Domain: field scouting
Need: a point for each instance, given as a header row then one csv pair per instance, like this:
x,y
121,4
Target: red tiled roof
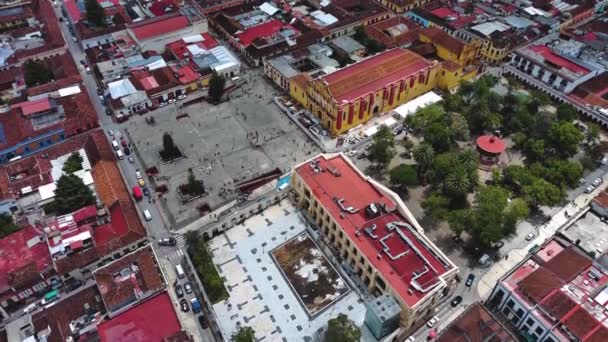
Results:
x,y
109,183
20,263
358,193
581,322
118,290
179,48
76,260
476,324
351,82
163,7
59,316
442,38
151,320
568,264
444,12
540,283
125,228
160,25
85,213
186,74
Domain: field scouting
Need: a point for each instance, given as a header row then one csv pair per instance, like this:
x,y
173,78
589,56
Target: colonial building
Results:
x,y
374,236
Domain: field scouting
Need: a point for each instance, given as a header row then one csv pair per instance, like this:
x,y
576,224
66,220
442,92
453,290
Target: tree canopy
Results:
x,y
73,163
71,194
382,148
403,176
7,225
342,329
217,85
244,334
170,151
36,73
95,14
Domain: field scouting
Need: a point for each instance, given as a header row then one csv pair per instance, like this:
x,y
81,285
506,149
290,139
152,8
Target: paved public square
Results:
x,y
219,145
260,296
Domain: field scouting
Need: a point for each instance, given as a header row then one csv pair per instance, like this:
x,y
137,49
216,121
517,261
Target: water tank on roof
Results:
x,y
372,210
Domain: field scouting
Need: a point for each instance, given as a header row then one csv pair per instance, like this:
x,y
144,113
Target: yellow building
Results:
x,y
400,6
492,52
374,234
450,48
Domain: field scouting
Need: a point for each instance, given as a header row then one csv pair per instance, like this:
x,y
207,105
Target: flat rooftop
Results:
x,y
260,295
151,320
355,80
592,233
389,241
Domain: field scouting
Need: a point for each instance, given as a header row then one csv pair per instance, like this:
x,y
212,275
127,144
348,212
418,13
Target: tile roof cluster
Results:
x,y
355,80
475,324
24,255
108,183
58,317
65,73
126,228
155,81
129,279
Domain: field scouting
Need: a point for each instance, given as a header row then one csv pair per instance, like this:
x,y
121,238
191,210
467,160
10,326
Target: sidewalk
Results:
x,y
578,207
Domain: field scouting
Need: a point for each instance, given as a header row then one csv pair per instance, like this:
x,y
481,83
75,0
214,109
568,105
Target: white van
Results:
x,y
119,154
115,145
147,215
30,308
180,271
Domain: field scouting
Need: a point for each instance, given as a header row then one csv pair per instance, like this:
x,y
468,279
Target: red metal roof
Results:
x,y
358,193
16,256
260,31
444,12
159,25
372,74
548,54
149,321
179,48
32,107
491,144
84,213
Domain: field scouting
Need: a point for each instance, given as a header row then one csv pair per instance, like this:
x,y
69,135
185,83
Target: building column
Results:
x,y
351,113
339,119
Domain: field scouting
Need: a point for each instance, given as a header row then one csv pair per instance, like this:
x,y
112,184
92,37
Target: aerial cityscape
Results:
x,y
304,170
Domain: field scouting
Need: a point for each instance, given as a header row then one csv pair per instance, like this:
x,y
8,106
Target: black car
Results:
x,y
179,292
184,305
167,242
470,280
361,156
203,322
99,91
127,151
146,191
456,301
108,112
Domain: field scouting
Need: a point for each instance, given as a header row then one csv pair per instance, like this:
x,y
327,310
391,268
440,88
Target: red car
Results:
x,y
123,142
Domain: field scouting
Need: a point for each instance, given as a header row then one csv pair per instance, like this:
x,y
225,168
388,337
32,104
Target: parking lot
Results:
x,y
223,145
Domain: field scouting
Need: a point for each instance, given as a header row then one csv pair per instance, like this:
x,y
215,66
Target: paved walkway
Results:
x,y
578,207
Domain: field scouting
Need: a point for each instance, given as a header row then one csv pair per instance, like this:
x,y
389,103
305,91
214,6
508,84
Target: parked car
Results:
x,y
127,151
138,174
470,280
83,63
110,132
596,182
108,112
196,305
188,287
178,291
168,242
432,321
498,244
99,91
456,301
131,160
410,339
203,322
361,156
589,189
146,191
184,305
530,236
141,182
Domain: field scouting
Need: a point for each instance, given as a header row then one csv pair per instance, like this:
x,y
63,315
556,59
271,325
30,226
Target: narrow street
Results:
x,y
156,228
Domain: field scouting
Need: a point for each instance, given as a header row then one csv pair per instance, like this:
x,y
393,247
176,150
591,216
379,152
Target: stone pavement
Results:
x,y
576,208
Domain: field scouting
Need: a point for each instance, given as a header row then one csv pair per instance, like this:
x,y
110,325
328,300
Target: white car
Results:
x,y
597,182
410,339
352,153
589,189
131,160
432,321
111,132
530,236
138,174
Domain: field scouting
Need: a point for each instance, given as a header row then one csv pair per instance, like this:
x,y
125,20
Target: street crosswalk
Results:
x,y
176,254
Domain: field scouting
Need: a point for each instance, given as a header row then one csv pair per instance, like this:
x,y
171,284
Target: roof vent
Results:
x,y
409,291
372,210
334,171
379,256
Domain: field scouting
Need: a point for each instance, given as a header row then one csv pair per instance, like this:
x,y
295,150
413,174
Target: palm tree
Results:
x,y
469,160
424,155
494,101
457,183
479,113
467,91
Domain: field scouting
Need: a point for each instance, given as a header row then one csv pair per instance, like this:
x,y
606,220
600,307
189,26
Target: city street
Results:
x,y
156,227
